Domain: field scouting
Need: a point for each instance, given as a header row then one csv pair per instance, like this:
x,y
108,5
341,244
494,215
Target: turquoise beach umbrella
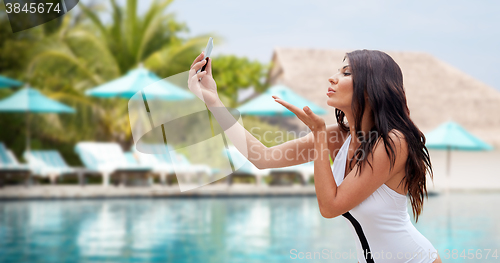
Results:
x,y
451,136
264,104
7,82
30,100
134,81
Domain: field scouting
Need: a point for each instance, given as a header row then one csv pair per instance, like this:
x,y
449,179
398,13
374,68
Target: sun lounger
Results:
x,y
158,163
183,165
132,160
161,162
243,167
109,160
9,166
305,170
50,163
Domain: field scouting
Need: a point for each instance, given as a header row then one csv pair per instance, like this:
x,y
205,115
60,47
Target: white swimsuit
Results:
x,y
381,224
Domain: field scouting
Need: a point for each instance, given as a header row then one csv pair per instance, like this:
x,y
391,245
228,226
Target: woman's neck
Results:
x,y
367,123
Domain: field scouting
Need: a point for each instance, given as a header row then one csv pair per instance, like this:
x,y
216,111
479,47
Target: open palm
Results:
x,y
306,115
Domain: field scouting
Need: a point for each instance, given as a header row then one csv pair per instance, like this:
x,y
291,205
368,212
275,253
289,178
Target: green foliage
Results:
x,y
267,134
82,55
232,73
67,56
14,47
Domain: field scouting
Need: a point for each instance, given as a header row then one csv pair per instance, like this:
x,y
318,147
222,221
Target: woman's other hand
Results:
x,y
313,121
206,88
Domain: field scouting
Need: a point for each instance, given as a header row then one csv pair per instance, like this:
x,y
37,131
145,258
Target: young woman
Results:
x,y
380,158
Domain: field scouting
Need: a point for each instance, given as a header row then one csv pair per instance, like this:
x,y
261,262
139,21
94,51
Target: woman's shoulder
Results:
x,y
398,137
393,135
397,140
397,133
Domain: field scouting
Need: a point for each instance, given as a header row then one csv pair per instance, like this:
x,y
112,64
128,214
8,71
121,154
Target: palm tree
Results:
x,y
85,52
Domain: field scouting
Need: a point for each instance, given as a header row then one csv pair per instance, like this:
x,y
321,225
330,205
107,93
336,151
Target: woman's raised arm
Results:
x,y
290,153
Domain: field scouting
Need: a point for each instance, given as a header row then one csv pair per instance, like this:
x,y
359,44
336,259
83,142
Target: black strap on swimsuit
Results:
x,y
361,236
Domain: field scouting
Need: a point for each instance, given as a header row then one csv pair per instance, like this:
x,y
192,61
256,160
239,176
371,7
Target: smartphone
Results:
x,y
208,51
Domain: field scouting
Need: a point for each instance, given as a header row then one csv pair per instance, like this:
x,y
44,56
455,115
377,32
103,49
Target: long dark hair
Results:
x,y
378,77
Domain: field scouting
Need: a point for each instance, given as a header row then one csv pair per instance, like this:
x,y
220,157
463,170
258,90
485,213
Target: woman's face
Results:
x,y
341,88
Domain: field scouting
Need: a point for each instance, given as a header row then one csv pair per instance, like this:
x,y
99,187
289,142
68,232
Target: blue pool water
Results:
x,y
222,229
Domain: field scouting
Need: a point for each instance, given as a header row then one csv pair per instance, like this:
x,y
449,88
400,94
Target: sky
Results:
x,y
464,34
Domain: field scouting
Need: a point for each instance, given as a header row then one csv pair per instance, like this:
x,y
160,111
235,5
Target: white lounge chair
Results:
x,y
158,164
161,162
243,167
305,170
109,160
9,166
133,160
50,163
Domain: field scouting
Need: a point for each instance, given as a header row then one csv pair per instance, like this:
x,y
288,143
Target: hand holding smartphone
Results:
x,y
206,54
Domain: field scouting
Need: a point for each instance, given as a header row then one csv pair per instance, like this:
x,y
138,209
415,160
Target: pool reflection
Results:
x,y
217,229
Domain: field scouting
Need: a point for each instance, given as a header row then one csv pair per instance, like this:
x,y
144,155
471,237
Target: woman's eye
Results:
x,y
347,73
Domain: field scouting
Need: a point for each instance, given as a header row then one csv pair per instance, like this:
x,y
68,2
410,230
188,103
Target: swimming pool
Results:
x,y
274,229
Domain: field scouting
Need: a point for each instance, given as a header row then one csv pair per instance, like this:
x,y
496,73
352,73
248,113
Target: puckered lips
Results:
x,y
330,91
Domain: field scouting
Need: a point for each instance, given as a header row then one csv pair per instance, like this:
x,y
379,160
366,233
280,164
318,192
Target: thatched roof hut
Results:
x,y
436,91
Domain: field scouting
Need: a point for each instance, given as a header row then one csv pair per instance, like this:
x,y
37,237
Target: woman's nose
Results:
x,y
333,80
